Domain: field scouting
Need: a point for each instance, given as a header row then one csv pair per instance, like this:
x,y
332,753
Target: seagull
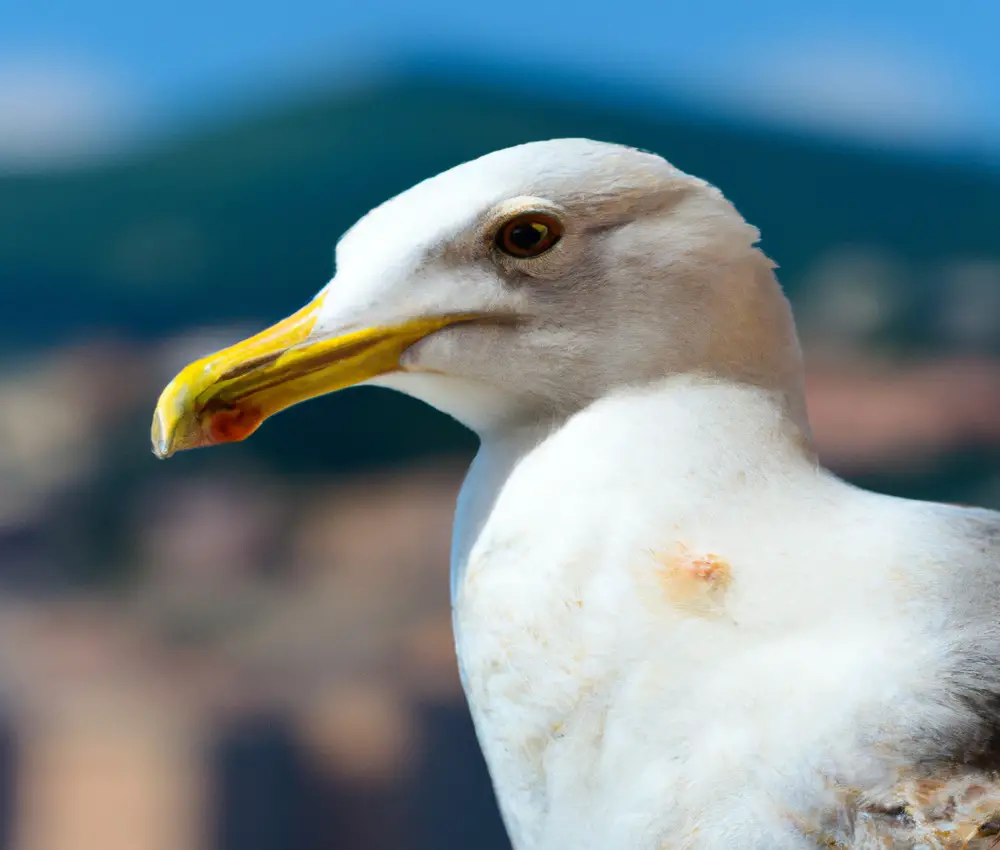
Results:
x,y
675,629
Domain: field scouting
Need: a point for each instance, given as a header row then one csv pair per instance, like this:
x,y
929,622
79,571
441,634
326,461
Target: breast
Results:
x,y
647,651
646,675
556,643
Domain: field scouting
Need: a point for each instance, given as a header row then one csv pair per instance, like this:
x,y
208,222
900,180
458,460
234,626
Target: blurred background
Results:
x,y
249,648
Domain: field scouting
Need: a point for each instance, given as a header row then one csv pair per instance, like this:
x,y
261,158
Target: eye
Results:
x,y
528,235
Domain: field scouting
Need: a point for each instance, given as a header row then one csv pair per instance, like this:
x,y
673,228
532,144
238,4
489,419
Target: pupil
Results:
x,y
526,236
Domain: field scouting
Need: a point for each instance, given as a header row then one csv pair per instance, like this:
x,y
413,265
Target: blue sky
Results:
x,y
77,74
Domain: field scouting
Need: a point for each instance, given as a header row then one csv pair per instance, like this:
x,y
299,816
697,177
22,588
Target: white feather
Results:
x,y
675,630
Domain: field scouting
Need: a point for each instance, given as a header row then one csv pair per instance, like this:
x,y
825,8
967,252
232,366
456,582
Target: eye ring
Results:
x,y
528,235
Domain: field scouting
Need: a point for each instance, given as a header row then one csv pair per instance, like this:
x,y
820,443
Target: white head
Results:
x,y
521,285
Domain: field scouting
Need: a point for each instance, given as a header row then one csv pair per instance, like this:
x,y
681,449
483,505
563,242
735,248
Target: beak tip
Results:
x,y
161,452
161,437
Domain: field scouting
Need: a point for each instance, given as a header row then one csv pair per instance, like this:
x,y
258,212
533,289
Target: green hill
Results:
x,y
239,220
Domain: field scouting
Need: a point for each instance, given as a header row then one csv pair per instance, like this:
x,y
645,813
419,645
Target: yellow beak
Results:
x,y
226,396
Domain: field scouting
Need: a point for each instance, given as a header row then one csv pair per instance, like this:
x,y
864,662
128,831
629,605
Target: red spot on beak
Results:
x,y
232,424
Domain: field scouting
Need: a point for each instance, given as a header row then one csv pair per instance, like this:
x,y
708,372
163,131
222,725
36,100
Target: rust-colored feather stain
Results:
x,y
693,580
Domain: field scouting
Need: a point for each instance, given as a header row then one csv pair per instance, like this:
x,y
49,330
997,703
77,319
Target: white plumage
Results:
x,y
674,628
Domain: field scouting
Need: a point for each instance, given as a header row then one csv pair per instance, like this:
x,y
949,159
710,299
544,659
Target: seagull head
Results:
x,y
521,285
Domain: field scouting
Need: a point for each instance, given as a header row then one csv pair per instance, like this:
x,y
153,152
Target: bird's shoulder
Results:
x,y
945,789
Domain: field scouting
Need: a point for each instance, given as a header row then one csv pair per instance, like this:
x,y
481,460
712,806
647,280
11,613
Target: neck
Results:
x,y
663,429
499,454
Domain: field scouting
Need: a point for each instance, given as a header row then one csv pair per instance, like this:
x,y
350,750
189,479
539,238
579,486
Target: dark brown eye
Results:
x,y
528,235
